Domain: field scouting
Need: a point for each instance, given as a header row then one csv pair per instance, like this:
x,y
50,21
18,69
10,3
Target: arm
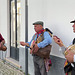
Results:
x,y
47,40
26,43
58,41
70,55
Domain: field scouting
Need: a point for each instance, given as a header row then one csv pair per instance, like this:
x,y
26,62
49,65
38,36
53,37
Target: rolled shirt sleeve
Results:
x,y
30,41
47,40
62,49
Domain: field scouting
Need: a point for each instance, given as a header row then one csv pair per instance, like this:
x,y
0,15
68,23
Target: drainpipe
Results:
x,y
26,37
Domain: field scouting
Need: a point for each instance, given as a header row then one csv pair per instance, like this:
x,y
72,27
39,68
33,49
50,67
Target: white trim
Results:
x,y
13,62
8,30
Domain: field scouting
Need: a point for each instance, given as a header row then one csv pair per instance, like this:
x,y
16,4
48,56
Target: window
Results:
x,y
15,15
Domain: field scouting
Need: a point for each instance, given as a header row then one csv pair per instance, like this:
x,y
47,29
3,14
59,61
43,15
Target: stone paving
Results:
x,y
7,69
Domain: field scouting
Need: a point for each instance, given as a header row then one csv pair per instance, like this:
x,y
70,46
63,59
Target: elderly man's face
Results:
x,y
37,28
73,27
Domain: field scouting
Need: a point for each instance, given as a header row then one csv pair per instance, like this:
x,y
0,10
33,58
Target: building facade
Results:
x,y
56,15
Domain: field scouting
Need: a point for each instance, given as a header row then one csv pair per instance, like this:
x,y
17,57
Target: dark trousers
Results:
x,y
73,71
39,66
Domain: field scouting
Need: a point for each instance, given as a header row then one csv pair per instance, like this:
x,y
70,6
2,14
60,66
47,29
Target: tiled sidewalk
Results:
x,y
6,69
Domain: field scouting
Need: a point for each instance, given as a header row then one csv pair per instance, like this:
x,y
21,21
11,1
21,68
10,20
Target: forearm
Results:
x,y
62,49
43,44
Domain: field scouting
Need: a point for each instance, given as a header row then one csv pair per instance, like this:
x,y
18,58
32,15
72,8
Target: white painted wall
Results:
x,y
22,26
56,15
3,18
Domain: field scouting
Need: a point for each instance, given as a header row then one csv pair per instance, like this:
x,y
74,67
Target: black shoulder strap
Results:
x,y
49,31
74,41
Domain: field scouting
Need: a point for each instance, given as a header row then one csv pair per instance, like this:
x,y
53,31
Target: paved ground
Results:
x,y
7,69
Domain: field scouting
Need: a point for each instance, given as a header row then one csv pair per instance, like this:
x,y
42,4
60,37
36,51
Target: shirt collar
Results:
x,y
39,32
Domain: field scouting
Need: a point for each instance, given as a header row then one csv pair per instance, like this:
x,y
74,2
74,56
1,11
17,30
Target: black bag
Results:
x,y
44,52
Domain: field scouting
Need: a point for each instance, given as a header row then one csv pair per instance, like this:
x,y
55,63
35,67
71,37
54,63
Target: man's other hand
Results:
x,y
70,56
36,48
58,41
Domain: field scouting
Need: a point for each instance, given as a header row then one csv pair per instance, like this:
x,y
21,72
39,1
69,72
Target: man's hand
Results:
x,y
36,48
24,44
58,41
70,56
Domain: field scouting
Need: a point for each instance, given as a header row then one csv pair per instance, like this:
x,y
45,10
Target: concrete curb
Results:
x,y
7,69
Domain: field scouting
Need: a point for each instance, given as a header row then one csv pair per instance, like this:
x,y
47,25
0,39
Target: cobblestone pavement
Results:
x,y
6,69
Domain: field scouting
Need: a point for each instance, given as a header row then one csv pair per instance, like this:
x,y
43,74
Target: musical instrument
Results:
x,y
60,43
71,48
